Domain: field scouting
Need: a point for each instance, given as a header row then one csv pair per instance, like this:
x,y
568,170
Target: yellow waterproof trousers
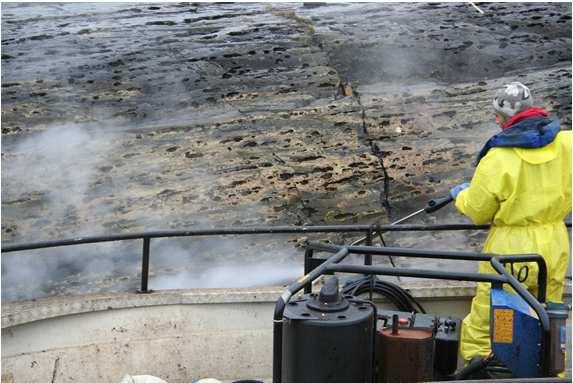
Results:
x,y
525,194
546,240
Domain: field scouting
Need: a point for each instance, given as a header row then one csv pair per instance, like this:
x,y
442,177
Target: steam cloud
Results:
x,y
61,167
218,262
58,167
53,172
232,275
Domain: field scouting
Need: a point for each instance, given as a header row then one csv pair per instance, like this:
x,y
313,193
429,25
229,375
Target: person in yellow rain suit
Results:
x,y
522,187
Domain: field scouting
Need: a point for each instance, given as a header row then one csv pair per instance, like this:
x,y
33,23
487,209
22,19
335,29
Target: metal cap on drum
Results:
x,y
408,334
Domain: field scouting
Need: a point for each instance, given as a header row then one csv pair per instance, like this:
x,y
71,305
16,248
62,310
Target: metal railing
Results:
x,y
145,237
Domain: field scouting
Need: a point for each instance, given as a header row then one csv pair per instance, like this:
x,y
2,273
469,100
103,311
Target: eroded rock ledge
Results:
x,y
122,118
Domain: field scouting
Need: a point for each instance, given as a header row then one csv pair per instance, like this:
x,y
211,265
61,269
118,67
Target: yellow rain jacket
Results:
x,y
525,194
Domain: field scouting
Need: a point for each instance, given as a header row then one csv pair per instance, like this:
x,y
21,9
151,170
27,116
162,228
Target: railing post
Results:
x,y
145,266
308,253
368,262
368,242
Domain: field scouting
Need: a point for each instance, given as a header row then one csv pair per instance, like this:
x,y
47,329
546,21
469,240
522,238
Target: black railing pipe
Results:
x,y
242,231
453,255
247,230
308,253
416,273
368,261
145,266
399,251
368,229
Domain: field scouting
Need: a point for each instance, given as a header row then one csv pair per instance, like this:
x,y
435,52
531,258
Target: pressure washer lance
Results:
x,y
432,206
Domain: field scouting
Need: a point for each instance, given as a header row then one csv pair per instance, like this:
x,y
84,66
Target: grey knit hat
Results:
x,y
514,98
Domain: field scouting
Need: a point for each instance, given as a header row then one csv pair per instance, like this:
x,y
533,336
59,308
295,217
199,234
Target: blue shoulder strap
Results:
x,y
530,133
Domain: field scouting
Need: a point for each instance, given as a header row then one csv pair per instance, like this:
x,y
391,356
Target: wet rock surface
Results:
x,y
124,118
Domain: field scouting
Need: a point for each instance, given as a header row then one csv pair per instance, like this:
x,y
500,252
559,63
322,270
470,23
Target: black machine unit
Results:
x,y
447,343
328,338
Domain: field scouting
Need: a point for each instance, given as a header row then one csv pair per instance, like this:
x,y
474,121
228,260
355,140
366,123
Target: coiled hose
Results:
x,y
394,293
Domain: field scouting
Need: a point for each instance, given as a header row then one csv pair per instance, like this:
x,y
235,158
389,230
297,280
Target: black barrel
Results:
x,y
328,339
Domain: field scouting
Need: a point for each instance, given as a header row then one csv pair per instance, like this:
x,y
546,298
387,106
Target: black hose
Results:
x,y
403,300
475,365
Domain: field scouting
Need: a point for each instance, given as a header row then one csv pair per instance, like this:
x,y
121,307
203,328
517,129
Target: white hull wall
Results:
x,y
177,336
176,343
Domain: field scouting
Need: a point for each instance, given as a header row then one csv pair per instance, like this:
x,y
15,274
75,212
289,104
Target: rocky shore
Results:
x,y
123,118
